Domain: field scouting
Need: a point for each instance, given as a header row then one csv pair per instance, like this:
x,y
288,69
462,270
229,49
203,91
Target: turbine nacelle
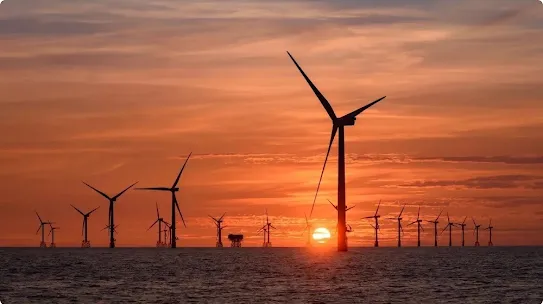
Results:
x,y
345,121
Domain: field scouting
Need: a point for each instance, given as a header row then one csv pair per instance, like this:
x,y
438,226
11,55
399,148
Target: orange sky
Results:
x,y
117,92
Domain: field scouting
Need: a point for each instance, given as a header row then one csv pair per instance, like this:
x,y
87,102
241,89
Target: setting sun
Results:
x,y
321,235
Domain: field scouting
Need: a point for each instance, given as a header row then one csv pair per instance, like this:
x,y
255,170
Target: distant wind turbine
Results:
x,y
52,233
419,226
400,228
435,222
489,228
337,124
43,244
476,232
218,223
85,243
111,219
463,224
159,220
173,189
449,225
376,216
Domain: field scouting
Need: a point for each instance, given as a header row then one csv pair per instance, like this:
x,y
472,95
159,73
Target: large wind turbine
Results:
x,y
400,228
111,219
338,123
85,243
489,228
175,205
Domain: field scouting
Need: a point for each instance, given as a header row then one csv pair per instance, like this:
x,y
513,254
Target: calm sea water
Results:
x,y
272,275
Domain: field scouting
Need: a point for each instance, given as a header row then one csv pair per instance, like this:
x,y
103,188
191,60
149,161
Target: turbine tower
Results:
x,y
218,223
348,228
489,228
449,225
111,219
43,244
266,229
435,222
476,232
338,123
400,228
419,227
52,234
307,228
175,205
463,224
376,227
85,243
159,220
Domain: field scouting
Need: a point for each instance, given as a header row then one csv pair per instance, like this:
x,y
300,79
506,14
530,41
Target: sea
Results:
x,y
272,275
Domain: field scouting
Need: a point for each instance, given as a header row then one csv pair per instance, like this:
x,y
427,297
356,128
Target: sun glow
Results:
x,y
321,235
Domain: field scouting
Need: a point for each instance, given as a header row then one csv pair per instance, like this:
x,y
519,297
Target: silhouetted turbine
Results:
x,y
476,231
489,228
419,226
435,222
337,124
52,233
175,205
376,227
463,224
85,242
400,228
307,228
111,219
42,227
266,229
218,223
159,220
449,225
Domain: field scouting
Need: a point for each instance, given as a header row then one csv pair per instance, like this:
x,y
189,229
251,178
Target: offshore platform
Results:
x,y
235,240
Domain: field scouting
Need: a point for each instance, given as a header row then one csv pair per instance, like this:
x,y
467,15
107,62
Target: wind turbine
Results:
x,y
376,227
435,222
489,228
463,224
307,228
43,244
266,229
400,228
449,225
419,226
111,219
175,205
218,223
159,220
338,123
476,232
85,243
52,233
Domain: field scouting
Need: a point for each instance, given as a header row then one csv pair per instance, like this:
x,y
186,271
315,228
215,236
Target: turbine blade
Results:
x,y
464,220
421,228
213,218
411,224
357,112
335,207
401,211
321,97
273,227
157,213
152,225
179,209
306,221
439,214
220,219
379,205
38,216
349,208
39,227
77,209
473,221
418,213
181,172
445,228
100,192
93,210
332,136
121,193
154,188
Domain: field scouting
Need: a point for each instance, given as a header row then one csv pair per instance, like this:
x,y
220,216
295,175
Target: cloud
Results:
x,y
483,182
